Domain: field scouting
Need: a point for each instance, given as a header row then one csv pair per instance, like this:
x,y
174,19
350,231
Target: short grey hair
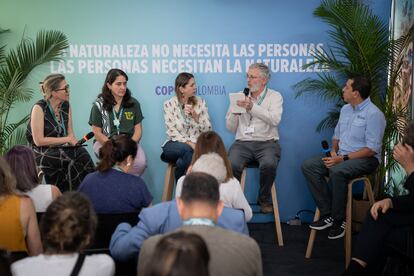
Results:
x,y
263,68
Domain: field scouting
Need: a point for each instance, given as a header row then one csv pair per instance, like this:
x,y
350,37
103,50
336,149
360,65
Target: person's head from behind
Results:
x,y
185,87
56,86
212,164
7,178
115,85
180,254
200,197
210,141
120,150
68,225
22,163
409,135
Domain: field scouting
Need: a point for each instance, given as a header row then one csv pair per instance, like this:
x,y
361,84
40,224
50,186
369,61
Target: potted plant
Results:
x,y
15,67
360,43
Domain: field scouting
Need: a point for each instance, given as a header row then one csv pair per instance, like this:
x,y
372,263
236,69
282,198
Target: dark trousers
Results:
x,y
64,167
178,153
266,153
331,197
389,230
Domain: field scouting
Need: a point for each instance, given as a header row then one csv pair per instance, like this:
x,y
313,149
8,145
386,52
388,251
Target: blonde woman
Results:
x,y
51,136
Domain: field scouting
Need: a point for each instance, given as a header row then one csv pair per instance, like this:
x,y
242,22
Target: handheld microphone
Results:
x,y
246,91
326,149
85,138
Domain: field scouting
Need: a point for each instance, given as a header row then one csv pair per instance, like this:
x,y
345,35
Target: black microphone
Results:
x,y
246,91
85,138
326,149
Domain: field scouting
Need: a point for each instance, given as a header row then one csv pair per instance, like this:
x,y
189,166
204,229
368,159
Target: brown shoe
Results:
x,y
266,207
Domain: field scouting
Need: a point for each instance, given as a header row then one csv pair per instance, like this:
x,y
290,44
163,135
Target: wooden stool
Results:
x,y
348,232
168,182
279,236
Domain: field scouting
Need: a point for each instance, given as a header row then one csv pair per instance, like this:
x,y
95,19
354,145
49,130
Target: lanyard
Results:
x,y
117,120
60,124
199,221
259,102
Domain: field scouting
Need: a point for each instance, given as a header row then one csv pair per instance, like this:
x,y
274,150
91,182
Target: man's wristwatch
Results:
x,y
345,157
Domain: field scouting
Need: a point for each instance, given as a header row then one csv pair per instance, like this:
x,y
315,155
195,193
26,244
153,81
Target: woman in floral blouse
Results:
x,y
186,117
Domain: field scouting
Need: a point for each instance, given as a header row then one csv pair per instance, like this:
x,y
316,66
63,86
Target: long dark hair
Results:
x,y
106,95
116,150
181,254
22,162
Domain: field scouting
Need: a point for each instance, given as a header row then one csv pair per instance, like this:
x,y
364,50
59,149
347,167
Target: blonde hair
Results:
x,y
7,179
49,84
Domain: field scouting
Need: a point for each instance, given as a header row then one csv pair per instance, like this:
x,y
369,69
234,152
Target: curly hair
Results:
x,y
181,254
68,225
106,95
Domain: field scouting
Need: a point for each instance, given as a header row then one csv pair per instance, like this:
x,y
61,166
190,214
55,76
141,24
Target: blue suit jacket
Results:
x,y
126,241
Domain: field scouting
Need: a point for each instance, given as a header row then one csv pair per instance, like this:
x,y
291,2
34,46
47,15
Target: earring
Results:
x,y
128,164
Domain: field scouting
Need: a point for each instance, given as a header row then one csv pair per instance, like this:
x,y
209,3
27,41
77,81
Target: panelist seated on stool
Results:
x,y
256,131
356,151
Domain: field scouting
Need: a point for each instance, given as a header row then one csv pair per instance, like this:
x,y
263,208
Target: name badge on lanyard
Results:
x,y
117,120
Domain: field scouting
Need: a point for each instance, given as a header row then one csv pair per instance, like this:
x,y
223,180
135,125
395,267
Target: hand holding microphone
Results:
x,y
85,138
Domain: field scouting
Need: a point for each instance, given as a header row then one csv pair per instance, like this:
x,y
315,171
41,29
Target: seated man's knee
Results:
x,y
268,165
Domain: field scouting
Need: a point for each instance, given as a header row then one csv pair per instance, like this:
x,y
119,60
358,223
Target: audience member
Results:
x,y
199,207
50,133
185,116
22,163
210,156
116,112
162,218
67,228
257,136
356,151
179,253
387,220
111,189
19,230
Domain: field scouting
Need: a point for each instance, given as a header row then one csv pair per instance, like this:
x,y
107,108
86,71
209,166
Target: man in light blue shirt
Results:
x,y
356,151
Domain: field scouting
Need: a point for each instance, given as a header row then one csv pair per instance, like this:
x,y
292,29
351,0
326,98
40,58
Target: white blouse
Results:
x,y
184,128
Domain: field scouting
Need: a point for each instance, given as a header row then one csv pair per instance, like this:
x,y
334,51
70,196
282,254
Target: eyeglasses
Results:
x,y
251,77
66,88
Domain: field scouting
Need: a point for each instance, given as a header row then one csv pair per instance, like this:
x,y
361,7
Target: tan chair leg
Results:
x,y
348,228
168,183
348,225
312,236
279,236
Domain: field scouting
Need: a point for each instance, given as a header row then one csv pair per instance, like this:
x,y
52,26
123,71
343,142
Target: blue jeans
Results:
x,y
178,153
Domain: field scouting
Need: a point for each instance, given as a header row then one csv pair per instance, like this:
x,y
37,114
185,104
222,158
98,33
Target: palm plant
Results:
x,y
15,67
360,43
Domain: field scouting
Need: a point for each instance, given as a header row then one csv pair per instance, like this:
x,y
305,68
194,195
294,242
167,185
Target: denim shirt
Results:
x,y
360,126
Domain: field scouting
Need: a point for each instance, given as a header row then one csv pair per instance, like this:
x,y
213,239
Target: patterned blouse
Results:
x,y
184,128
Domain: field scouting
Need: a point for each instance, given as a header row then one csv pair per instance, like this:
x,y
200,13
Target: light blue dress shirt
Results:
x,y
360,126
